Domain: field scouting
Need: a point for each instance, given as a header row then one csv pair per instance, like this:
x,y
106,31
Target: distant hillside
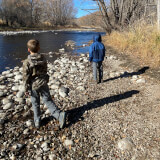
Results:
x,y
92,20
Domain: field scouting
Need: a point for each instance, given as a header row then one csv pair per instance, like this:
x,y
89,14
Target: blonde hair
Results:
x,y
33,45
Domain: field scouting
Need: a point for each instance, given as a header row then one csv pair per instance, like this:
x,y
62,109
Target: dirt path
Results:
x,y
123,119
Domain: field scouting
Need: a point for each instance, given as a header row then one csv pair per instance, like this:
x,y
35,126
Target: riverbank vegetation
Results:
x,y
141,42
36,13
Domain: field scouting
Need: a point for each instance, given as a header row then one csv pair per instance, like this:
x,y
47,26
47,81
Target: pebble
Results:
x,y
68,142
29,123
141,80
7,106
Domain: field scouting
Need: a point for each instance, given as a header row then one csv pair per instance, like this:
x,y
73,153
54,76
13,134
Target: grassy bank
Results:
x,y
142,42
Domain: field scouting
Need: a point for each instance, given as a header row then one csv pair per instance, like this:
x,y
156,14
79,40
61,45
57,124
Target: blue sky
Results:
x,y
81,5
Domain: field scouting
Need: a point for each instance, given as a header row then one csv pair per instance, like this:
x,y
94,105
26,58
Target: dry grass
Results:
x,y
142,42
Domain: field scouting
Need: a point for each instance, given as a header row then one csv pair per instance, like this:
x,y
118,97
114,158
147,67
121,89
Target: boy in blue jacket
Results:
x,y
96,56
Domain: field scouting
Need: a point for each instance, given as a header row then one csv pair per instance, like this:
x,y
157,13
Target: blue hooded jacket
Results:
x,y
96,50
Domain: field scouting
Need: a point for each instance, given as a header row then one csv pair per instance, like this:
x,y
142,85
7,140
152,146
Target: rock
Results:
x,y
15,88
47,112
62,50
18,77
2,87
54,86
70,43
20,100
20,94
125,144
2,115
10,75
81,88
7,106
135,77
56,74
74,69
2,121
29,123
52,156
63,92
26,131
44,146
141,80
68,142
2,94
17,147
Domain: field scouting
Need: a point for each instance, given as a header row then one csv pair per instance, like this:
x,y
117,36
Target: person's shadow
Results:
x,y
126,74
76,114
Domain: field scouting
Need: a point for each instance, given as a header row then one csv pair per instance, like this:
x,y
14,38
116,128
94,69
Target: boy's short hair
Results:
x,y
33,45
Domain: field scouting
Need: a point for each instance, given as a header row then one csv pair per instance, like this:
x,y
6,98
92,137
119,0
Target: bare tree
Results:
x,y
120,13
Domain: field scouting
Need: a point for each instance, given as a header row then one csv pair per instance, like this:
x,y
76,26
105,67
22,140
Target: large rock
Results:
x,y
125,144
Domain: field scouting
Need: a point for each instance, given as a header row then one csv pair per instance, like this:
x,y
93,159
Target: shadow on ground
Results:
x,y
126,74
75,115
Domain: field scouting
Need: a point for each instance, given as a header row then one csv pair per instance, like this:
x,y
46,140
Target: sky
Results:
x,y
82,5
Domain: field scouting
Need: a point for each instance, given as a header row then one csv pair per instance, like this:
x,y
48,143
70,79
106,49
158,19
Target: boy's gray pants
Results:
x,y
97,69
47,100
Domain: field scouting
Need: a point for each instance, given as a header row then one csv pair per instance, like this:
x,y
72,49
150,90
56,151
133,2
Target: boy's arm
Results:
x,y
26,75
90,53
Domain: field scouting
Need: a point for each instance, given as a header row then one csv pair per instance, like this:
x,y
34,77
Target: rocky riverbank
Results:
x,y
117,119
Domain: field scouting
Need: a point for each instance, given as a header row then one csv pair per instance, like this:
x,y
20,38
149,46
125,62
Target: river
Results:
x,y
13,47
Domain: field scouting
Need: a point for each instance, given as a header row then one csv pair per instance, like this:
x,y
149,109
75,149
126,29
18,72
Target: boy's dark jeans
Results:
x,y
47,100
97,69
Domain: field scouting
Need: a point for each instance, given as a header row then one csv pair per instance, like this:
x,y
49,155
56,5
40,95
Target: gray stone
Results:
x,y
74,69
20,94
7,106
63,92
15,88
45,147
18,77
142,80
17,147
26,131
29,123
52,156
68,142
2,87
55,86
125,144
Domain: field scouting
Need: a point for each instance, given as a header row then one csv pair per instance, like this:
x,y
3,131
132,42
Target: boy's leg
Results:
x,y
47,99
94,65
100,70
55,112
35,99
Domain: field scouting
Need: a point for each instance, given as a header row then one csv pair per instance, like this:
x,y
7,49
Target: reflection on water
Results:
x,y
13,48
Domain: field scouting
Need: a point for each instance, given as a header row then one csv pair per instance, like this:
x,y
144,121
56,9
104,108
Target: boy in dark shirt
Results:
x,y
35,79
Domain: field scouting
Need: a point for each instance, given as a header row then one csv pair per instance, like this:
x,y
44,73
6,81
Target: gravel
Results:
x,y
117,119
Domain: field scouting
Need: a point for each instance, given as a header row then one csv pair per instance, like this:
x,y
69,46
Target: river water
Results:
x,y
13,47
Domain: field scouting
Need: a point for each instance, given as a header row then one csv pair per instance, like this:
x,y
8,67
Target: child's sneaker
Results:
x,y
37,124
62,119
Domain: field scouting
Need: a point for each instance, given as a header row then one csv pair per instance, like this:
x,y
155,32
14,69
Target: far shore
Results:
x,y
78,28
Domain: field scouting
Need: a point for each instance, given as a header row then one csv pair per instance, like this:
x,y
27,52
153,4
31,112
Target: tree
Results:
x,y
119,13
